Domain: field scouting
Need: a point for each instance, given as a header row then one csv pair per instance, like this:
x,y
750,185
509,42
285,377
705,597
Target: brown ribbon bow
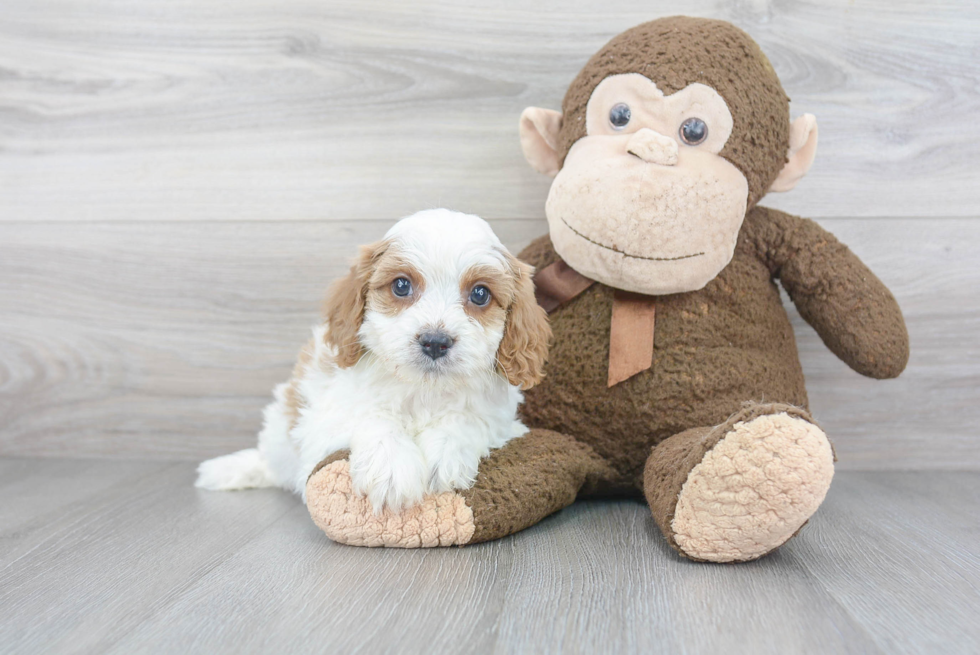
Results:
x,y
632,323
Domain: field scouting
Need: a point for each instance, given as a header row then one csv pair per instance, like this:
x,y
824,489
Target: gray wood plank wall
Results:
x,y
179,181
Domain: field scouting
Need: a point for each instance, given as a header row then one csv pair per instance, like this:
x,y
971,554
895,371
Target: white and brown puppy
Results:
x,y
417,368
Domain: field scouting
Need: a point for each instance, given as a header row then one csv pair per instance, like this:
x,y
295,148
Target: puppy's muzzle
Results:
x,y
435,344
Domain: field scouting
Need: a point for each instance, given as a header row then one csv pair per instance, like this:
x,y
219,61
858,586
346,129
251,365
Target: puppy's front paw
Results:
x,y
452,461
452,471
391,474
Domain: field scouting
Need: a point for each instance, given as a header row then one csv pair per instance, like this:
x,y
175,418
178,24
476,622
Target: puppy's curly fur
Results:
x,y
417,368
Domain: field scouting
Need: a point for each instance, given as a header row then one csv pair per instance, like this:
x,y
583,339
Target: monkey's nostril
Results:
x,y
653,147
435,344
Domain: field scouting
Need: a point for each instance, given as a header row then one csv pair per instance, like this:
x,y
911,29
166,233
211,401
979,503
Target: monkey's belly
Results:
x,y
710,356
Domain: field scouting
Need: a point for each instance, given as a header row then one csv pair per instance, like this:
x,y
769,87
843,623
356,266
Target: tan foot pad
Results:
x,y
439,520
754,489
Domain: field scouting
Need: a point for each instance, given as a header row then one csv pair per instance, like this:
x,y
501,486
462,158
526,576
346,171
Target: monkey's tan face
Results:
x,y
644,202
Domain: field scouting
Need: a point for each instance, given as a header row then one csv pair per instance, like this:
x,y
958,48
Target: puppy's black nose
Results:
x,y
435,344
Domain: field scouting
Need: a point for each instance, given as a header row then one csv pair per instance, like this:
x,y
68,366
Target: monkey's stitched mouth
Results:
x,y
626,254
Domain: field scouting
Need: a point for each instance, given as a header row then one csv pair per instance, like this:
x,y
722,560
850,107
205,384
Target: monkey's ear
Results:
x,y
539,139
802,150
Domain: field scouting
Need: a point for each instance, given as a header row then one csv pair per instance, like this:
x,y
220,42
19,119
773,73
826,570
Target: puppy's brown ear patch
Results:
x,y
344,306
524,346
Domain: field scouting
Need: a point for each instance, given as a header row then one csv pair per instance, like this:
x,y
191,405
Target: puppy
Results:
x,y
417,368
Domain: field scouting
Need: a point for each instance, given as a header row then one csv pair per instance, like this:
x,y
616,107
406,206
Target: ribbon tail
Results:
x,y
630,336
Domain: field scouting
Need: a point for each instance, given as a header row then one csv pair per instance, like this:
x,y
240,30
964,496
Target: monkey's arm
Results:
x,y
850,308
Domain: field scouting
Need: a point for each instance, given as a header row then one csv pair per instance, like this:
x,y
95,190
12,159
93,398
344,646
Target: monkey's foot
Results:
x,y
348,518
752,490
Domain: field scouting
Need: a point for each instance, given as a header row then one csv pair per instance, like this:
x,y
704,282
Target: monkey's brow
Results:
x,y
626,254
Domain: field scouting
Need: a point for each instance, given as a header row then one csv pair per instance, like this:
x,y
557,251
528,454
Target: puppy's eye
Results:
x,y
693,131
619,115
401,287
480,295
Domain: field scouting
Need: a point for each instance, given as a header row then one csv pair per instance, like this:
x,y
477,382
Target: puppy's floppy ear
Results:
x,y
524,346
344,306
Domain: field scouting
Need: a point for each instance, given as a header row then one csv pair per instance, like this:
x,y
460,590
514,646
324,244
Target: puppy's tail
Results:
x,y
245,469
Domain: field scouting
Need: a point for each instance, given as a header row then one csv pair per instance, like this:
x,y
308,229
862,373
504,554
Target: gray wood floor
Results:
x,y
125,557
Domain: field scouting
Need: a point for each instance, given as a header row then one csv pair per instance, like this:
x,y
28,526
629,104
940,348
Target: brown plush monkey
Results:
x,y
674,371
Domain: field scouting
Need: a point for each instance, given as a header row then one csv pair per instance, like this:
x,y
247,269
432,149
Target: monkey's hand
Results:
x,y
850,308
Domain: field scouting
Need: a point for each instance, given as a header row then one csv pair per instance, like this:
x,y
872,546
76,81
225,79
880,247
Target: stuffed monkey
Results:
x,y
674,371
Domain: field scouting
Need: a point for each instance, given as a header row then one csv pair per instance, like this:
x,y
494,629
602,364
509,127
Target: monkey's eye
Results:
x,y
619,116
401,287
480,295
693,131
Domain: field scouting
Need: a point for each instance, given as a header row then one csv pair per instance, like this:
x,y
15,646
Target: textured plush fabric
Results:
x,y
678,51
528,479
439,520
853,312
716,348
753,490
671,462
518,485
330,459
713,350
